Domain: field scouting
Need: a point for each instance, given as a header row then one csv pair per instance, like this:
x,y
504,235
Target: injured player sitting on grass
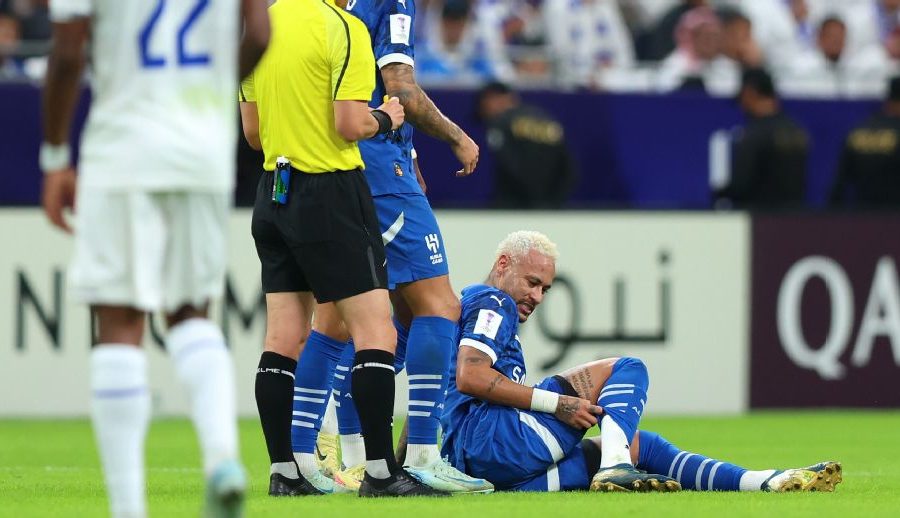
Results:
x,y
532,438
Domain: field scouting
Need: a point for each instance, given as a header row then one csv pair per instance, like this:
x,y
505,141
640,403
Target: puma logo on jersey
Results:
x,y
498,299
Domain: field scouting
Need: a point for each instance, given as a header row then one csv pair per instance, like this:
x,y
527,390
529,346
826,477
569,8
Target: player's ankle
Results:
x,y
306,464
421,455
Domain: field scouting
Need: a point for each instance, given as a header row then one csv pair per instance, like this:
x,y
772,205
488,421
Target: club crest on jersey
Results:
x,y
433,242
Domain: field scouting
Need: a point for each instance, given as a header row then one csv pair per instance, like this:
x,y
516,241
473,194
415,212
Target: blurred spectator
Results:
x,y
463,43
10,68
533,169
832,69
524,39
34,17
870,23
698,61
785,29
738,43
769,156
869,170
641,14
660,40
586,37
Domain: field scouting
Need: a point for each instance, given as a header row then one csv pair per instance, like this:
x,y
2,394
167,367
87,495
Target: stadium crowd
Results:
x,y
815,48
819,49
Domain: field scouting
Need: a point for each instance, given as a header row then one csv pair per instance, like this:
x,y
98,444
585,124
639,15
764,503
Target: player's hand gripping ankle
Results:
x,y
577,412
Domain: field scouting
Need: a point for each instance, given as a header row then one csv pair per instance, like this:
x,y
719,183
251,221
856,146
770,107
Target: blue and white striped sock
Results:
x,y
622,398
427,360
691,470
312,388
353,451
348,421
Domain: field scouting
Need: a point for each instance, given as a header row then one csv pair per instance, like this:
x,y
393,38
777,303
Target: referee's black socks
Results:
x,y
373,393
274,400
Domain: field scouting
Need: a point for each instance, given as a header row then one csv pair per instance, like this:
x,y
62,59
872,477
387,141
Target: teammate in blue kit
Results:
x,y
425,306
531,438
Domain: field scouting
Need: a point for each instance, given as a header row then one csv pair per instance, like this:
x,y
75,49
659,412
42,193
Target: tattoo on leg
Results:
x,y
582,383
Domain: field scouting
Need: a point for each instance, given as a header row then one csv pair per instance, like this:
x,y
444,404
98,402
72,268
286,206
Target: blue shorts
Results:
x,y
412,240
521,450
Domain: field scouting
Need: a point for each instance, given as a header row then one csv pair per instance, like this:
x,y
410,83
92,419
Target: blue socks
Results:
x,y
426,365
402,340
312,388
348,421
691,470
624,395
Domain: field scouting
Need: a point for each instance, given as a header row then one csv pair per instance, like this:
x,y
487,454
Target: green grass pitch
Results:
x,y
50,468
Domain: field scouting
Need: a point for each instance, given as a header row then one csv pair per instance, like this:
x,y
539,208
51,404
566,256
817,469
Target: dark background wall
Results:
x,y
634,151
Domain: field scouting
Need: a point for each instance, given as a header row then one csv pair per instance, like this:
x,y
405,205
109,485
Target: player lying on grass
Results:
x,y
531,438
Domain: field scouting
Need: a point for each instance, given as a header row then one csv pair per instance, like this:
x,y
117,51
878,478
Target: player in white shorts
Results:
x,y
156,172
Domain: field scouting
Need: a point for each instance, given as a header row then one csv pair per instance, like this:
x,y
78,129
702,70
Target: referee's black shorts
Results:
x,y
326,239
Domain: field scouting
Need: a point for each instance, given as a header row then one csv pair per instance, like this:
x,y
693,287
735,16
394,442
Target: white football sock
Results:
x,y
329,422
285,469
306,463
353,450
613,444
120,413
378,469
204,366
421,455
753,480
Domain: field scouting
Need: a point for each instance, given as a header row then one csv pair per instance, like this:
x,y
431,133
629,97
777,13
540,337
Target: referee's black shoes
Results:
x,y
400,483
280,485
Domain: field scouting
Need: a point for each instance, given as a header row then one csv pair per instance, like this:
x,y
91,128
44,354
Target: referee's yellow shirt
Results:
x,y
317,54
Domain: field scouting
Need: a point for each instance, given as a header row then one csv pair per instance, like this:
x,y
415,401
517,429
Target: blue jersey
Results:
x,y
387,157
489,322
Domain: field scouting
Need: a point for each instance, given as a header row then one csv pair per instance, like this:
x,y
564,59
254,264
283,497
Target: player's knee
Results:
x,y
452,309
432,298
186,312
634,368
286,338
632,364
445,305
382,337
334,330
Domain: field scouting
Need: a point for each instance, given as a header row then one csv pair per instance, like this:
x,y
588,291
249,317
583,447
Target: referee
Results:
x,y
315,227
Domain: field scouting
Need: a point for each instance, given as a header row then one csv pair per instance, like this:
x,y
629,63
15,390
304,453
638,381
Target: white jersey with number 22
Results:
x,y
163,78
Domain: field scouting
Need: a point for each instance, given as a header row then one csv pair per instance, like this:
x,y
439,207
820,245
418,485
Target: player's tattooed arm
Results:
x,y
400,81
476,378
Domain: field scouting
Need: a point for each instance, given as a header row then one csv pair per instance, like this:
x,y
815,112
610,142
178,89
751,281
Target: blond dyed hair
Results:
x,y
517,245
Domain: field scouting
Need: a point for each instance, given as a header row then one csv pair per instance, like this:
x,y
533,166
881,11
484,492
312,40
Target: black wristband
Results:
x,y
384,121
